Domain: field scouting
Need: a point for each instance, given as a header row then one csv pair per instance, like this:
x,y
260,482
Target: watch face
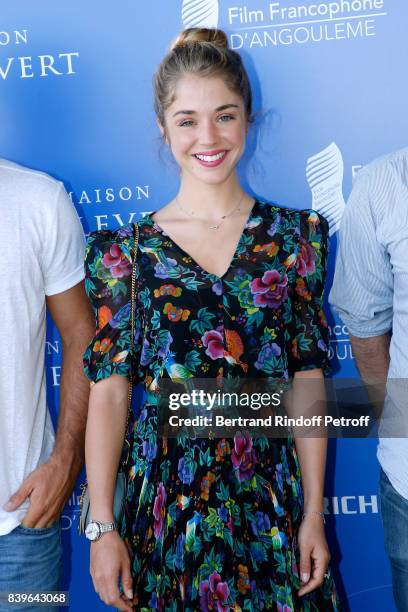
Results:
x,y
92,532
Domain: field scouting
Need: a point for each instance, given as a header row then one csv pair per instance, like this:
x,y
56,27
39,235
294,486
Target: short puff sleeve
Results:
x,y
108,283
309,331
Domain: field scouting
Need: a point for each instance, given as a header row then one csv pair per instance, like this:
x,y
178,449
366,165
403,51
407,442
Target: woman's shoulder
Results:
x,y
302,219
108,255
105,240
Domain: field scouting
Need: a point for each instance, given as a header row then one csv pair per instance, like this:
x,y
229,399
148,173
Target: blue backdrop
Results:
x,y
330,95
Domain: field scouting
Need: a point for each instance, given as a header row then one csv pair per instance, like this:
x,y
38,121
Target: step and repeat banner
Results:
x,y
330,95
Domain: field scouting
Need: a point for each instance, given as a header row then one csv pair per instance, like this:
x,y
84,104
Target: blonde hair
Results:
x,y
203,52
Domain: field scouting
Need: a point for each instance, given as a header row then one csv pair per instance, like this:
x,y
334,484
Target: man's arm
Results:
x,y
51,484
362,291
372,356
72,314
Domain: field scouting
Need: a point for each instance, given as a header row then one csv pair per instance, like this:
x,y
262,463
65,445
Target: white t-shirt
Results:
x,y
42,246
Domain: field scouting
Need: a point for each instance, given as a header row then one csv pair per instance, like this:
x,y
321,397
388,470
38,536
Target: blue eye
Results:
x,y
226,118
186,123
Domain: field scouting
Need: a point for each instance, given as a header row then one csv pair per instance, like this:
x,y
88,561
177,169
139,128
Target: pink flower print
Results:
x,y
159,510
243,456
270,290
213,594
306,257
213,340
117,262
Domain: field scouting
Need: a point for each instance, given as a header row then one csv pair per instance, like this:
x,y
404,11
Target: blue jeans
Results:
x,y
394,513
30,560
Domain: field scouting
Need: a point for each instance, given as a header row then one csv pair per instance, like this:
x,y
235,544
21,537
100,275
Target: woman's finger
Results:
x,y
319,567
305,564
126,579
111,596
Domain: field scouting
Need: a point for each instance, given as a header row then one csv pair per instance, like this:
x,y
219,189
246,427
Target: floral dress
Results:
x,y
211,523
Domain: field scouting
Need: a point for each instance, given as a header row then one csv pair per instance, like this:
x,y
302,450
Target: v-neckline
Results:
x,y
234,256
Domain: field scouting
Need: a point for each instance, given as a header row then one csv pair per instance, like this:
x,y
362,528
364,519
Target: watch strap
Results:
x,y
105,527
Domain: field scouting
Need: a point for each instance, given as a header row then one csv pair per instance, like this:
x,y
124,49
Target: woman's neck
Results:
x,y
210,200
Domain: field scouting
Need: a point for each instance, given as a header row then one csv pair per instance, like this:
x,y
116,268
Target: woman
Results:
x,y
226,287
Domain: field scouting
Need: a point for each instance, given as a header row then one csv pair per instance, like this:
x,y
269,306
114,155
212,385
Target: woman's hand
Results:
x,y
314,553
109,561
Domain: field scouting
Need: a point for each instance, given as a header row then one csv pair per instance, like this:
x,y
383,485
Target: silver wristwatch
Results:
x,y
96,529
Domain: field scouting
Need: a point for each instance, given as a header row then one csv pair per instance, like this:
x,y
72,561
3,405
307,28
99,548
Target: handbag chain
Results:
x,y
132,328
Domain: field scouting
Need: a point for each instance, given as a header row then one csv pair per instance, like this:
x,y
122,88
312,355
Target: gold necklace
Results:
x,y
217,225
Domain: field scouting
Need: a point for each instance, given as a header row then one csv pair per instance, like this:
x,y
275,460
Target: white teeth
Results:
x,y
211,158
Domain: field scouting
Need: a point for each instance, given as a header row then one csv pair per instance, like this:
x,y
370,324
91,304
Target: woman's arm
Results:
x,y
105,433
308,399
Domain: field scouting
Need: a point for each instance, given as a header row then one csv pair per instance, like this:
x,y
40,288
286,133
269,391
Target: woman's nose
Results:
x,y
208,133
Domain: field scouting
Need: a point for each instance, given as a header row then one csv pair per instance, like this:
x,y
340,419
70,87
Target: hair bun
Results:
x,y
192,36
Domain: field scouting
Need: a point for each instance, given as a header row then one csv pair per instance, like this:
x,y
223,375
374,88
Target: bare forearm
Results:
x,y
309,400
312,459
373,359
104,442
72,314
372,356
74,396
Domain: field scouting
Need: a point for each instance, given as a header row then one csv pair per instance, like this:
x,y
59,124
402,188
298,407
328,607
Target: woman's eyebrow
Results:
x,y
225,106
184,112
217,110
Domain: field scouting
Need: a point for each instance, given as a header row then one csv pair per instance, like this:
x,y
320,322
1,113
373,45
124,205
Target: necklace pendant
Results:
x,y
214,227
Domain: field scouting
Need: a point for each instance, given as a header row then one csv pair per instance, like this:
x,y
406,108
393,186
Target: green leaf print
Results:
x,y
212,518
192,360
171,511
196,546
118,288
255,319
228,537
151,581
170,558
212,562
205,458
89,286
144,297
303,343
191,283
203,321
281,563
234,511
165,468
223,493
156,319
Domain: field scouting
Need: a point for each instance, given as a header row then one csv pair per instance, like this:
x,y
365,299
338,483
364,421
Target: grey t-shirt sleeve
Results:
x,y
362,292
64,245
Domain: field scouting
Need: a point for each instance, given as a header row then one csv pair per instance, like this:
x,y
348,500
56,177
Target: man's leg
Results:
x,y
30,560
394,513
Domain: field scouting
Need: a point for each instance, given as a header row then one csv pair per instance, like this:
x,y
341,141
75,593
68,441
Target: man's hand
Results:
x,y
48,489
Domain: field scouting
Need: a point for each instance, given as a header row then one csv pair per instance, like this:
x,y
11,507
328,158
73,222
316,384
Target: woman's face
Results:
x,y
205,128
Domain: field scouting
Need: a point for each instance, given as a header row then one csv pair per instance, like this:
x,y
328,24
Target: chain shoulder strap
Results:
x,y
132,325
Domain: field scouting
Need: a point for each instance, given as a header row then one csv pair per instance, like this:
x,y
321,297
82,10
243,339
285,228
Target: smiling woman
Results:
x,y
226,286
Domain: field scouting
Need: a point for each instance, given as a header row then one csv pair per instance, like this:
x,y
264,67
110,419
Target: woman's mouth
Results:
x,y
211,159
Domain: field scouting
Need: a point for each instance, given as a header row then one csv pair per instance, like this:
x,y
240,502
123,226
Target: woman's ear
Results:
x,y
162,131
